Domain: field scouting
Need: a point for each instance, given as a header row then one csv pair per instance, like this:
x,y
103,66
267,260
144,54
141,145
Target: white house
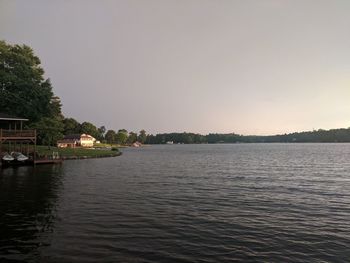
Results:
x,y
73,140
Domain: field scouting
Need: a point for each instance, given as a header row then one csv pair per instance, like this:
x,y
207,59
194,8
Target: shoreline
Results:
x,y
74,157
61,159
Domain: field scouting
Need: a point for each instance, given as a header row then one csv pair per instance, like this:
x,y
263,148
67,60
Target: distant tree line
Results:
x,y
334,135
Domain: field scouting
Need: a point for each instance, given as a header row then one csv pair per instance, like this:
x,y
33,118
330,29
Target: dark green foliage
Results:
x,y
121,136
142,136
335,135
101,133
23,90
132,137
111,136
176,138
89,128
222,138
71,126
49,130
25,93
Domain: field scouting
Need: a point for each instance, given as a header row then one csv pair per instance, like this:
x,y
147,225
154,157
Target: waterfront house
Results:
x,y
74,140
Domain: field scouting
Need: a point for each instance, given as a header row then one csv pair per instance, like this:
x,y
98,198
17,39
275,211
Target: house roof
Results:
x,y
84,136
72,136
78,136
6,117
67,141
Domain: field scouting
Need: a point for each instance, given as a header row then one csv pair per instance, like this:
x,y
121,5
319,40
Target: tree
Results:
x,y
101,133
49,130
142,136
111,136
89,128
132,137
24,91
55,108
121,136
71,126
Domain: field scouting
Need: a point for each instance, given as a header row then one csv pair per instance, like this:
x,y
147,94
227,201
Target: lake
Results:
x,y
182,203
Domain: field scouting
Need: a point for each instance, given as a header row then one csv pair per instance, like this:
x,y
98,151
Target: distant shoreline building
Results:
x,y
76,140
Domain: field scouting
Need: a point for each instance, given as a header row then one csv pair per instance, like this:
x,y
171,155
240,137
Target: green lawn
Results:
x,y
75,152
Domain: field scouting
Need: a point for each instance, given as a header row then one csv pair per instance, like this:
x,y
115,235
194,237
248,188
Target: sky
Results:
x,y
249,67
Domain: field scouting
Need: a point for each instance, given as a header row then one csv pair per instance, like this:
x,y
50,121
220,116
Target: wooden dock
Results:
x,y
48,161
31,163
18,135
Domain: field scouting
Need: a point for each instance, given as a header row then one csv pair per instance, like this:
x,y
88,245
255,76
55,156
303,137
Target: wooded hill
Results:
x,y
334,135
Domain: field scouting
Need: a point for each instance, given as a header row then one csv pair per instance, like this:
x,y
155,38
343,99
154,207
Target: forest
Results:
x,y
326,136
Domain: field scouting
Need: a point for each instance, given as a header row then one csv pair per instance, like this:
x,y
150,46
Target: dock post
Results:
x,y
34,154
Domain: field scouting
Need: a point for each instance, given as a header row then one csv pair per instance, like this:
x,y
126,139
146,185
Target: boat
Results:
x,y
7,159
14,159
136,144
169,142
19,157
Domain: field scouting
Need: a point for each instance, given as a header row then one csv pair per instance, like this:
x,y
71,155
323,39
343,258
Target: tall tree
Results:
x,y
71,126
111,136
24,91
49,130
89,128
101,133
122,136
142,136
132,137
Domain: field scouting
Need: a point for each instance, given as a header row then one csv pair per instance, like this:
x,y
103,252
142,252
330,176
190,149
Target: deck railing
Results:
x,y
17,134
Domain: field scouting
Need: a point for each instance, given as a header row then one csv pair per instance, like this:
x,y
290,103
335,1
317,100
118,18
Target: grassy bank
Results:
x,y
70,153
107,145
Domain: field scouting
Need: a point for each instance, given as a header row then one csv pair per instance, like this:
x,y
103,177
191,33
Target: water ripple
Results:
x,y
182,203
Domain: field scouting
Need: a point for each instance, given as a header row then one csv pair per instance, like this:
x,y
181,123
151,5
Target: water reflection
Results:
x,y
28,198
182,203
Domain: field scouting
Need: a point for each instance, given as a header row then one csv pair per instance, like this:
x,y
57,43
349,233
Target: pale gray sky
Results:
x,y
250,67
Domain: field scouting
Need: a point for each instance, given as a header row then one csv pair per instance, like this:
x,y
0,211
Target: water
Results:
x,y
182,203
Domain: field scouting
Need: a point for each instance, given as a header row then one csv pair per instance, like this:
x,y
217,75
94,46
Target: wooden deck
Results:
x,y
18,135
